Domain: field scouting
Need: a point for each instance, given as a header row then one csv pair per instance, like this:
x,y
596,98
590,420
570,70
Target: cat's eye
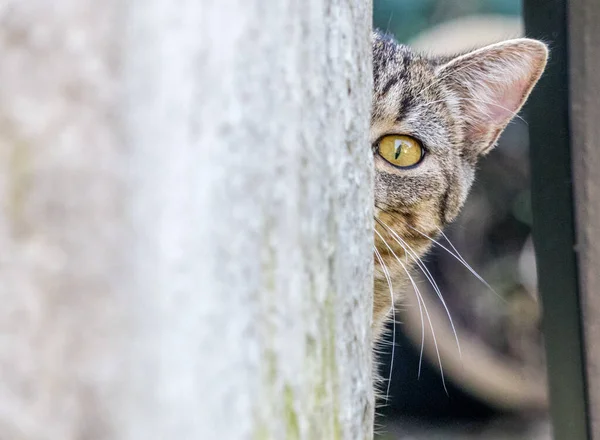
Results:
x,y
400,150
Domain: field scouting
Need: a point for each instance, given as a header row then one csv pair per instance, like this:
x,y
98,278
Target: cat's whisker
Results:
x,y
415,257
388,343
455,254
440,230
387,29
459,258
393,310
438,292
420,299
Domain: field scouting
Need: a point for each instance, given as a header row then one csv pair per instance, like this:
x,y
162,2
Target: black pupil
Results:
x,y
398,149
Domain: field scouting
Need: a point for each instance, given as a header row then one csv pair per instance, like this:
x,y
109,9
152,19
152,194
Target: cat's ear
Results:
x,y
491,85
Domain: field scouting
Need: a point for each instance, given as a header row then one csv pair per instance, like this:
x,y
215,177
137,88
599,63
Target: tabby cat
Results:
x,y
432,119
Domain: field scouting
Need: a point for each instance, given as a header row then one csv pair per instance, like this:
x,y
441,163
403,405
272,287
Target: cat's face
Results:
x,y
432,119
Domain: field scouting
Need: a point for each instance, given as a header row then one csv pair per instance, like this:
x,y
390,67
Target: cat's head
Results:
x,y
433,118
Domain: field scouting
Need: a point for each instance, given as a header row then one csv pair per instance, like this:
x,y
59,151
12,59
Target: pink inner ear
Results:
x,y
493,83
503,102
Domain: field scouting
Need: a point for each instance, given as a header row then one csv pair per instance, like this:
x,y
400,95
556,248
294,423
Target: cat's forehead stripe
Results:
x,y
407,95
406,103
391,82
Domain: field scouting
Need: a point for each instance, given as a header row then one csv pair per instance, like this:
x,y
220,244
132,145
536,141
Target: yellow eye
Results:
x,y
401,151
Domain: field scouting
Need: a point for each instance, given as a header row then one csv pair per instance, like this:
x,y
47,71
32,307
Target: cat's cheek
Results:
x,y
456,199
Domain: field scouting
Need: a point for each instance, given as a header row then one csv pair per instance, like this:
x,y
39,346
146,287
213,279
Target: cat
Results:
x,y
432,119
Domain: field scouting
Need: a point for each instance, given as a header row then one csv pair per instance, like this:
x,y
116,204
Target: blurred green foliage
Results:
x,y
406,18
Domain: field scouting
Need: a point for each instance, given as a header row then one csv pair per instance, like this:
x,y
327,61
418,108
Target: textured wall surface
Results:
x,y
185,220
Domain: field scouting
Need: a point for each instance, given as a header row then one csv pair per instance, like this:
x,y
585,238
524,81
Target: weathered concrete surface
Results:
x,y
185,220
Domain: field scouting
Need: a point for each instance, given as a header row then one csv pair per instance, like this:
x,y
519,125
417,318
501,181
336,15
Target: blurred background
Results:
x,y
497,388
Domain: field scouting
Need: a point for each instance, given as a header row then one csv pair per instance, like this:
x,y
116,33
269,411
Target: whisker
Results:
x,y
420,300
389,281
389,22
460,259
451,245
427,274
454,253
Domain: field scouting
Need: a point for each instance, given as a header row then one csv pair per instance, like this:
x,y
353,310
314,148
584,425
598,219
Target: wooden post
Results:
x,y
185,220
564,120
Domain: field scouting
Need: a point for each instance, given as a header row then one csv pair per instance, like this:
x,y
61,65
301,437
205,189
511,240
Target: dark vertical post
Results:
x,y
554,143
584,86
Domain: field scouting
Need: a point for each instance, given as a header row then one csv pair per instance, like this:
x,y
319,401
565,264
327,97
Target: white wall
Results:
x,y
186,219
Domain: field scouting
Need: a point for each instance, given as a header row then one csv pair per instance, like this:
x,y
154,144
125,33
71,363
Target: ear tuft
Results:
x,y
492,84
